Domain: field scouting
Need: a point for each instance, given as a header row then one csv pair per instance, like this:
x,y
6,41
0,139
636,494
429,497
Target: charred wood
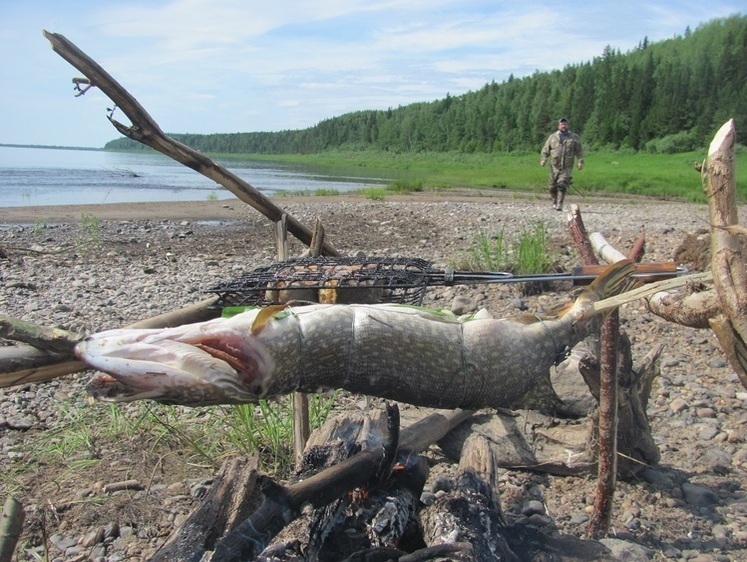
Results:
x,y
233,496
367,468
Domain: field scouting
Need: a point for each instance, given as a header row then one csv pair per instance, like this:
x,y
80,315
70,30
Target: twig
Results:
x,y
599,523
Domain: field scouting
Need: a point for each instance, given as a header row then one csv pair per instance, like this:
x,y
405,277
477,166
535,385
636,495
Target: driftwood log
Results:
x,y
723,308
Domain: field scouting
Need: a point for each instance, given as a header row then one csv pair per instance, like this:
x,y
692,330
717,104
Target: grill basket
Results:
x,y
343,280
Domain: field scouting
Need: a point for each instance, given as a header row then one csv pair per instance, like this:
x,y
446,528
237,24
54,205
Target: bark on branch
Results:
x,y
144,129
727,262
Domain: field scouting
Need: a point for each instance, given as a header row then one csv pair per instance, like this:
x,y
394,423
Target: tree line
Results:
x,y
667,96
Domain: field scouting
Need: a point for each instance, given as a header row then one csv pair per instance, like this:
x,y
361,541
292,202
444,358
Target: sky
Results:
x,y
226,66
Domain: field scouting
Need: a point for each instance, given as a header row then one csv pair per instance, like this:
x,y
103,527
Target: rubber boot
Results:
x,y
559,201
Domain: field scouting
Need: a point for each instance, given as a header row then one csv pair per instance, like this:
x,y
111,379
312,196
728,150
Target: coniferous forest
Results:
x,y
667,96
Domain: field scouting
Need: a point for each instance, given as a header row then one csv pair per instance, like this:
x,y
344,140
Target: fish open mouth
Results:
x,y
159,365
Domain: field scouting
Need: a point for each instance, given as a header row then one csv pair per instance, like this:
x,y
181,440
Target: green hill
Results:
x,y
668,96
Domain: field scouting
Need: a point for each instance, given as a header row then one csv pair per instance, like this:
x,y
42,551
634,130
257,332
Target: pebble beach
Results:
x,y
98,267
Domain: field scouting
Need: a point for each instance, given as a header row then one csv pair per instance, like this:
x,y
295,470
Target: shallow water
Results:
x,y
46,176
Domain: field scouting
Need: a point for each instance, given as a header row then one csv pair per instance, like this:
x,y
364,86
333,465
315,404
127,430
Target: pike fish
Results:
x,y
397,352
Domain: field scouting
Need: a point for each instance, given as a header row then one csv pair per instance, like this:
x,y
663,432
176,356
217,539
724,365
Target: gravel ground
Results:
x,y
122,263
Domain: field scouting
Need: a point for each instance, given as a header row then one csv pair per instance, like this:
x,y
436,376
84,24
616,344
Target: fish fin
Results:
x,y
560,310
264,316
529,318
616,279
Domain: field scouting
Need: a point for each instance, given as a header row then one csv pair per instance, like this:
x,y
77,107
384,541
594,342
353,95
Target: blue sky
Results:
x,y
204,66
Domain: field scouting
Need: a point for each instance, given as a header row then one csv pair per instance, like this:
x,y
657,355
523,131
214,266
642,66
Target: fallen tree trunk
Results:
x,y
145,130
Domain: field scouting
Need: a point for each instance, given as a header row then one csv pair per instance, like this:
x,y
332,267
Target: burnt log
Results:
x,y
231,499
369,465
467,516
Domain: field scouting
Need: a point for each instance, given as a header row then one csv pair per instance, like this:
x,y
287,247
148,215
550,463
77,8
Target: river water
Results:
x,y
46,176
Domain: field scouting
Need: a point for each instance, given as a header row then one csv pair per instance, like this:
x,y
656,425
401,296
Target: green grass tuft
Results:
x,y
526,254
374,193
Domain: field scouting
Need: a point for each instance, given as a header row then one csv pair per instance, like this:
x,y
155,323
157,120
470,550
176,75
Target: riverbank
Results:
x,y
233,209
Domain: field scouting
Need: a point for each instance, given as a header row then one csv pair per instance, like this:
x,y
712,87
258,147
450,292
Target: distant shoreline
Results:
x,y
50,146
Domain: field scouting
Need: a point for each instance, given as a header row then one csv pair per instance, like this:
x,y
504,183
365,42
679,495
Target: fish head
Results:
x,y
215,362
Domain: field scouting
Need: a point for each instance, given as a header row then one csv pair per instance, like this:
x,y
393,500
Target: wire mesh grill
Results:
x,y
343,280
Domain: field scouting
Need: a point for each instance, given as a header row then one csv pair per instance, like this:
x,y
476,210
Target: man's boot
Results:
x,y
554,197
559,201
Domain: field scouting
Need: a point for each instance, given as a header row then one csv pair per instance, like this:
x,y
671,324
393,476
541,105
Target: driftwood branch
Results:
x,y
144,129
53,340
608,401
604,250
599,523
639,248
580,237
694,308
727,262
724,308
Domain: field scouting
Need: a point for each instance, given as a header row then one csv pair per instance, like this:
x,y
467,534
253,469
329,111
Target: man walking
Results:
x,y
562,147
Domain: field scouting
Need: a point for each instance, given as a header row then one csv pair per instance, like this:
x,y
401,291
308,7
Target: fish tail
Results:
x,y
616,279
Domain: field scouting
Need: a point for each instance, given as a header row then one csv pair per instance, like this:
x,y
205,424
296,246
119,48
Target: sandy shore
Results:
x,y
171,210
229,209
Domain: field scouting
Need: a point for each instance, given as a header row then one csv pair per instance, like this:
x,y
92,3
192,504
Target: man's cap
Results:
x,y
563,120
